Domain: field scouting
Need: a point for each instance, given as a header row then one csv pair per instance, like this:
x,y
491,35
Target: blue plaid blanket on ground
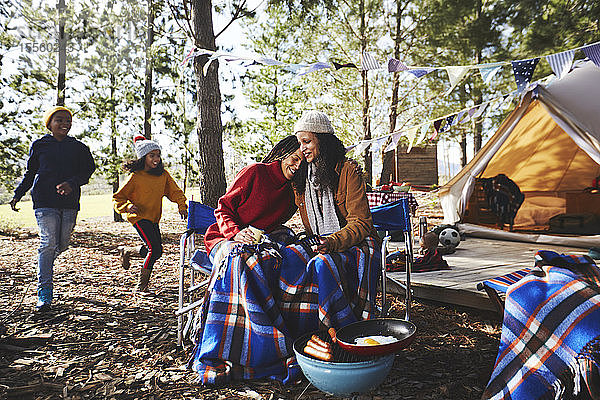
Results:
x,y
265,296
551,318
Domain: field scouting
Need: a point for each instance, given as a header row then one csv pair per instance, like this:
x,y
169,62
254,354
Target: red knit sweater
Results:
x,y
260,196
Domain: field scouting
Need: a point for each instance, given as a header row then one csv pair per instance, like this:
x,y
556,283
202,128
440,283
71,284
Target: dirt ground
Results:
x,y
103,341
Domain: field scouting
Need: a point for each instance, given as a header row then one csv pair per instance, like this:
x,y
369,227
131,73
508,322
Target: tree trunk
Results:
x,y
365,101
388,159
209,126
149,67
477,124
117,217
62,54
463,149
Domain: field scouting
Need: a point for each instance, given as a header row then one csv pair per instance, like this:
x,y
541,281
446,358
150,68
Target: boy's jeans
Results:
x,y
55,226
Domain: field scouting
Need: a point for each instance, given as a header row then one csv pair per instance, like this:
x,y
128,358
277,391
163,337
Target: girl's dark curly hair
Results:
x,y
331,153
140,164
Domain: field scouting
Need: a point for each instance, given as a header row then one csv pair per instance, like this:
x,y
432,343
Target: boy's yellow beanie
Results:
x,y
48,114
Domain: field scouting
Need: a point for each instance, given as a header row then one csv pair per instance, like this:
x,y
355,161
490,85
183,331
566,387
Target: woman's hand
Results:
x,y
245,236
184,214
323,247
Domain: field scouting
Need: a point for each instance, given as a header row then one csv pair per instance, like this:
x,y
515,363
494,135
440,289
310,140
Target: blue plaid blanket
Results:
x,y
551,318
264,297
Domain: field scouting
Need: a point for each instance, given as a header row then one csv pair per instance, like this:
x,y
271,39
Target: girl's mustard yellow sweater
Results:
x,y
146,191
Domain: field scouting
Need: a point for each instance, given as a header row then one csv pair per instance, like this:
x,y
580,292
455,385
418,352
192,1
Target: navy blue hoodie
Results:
x,y
52,162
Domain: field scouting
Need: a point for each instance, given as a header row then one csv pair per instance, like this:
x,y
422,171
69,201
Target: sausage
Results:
x,y
332,333
320,341
317,346
321,355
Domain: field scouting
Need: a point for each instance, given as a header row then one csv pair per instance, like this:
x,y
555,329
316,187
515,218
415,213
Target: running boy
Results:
x,y
57,167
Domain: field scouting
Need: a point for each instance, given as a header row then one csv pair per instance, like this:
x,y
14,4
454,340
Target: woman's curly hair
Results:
x,y
331,153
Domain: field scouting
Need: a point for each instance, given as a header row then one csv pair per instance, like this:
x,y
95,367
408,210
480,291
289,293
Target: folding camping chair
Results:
x,y
192,258
395,217
494,287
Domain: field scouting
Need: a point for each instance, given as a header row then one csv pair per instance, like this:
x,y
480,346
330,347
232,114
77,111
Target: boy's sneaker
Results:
x,y
43,307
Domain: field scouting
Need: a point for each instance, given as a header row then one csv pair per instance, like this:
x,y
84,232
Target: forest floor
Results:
x,y
103,341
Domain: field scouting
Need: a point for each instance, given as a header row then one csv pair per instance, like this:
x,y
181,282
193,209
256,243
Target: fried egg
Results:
x,y
374,340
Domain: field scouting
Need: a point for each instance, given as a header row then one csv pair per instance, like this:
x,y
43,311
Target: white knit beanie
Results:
x,y
144,146
313,121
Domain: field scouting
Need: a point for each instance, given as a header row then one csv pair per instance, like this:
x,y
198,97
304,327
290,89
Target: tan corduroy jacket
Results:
x,y
352,208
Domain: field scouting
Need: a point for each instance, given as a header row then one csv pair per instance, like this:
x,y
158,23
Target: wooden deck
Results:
x,y
474,261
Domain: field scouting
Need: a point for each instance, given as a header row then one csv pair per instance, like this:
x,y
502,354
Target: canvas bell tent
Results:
x,y
550,147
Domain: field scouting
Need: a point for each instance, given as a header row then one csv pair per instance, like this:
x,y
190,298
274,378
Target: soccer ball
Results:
x,y
449,237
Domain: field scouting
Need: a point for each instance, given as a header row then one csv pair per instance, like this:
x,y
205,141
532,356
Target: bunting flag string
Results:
x,y
560,63
440,124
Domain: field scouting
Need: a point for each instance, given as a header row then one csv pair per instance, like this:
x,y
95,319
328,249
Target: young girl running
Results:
x,y
140,201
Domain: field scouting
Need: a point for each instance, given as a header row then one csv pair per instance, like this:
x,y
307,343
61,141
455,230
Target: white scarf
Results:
x,y
320,206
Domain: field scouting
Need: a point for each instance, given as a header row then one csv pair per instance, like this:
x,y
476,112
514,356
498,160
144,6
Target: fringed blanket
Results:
x,y
264,297
551,319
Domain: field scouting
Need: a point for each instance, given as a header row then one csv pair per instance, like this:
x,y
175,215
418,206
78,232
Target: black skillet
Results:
x,y
401,330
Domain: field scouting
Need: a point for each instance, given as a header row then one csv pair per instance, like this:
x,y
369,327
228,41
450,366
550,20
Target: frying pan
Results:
x,y
402,330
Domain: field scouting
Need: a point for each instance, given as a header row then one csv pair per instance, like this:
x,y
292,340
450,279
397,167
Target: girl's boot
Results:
x,y
126,253
144,279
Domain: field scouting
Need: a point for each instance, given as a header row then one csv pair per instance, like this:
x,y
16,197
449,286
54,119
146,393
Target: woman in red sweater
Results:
x,y
260,196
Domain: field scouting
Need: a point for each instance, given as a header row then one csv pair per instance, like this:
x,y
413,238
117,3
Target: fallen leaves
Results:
x,y
104,341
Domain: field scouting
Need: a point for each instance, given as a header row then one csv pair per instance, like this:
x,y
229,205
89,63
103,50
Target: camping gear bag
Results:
x,y
582,224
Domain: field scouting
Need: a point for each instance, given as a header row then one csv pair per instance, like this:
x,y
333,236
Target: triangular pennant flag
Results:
x,y
268,61
396,65
362,146
438,125
449,122
488,71
346,65
561,62
394,143
420,72
294,68
455,74
459,117
506,101
378,143
410,135
480,110
315,67
523,70
368,62
593,53
424,129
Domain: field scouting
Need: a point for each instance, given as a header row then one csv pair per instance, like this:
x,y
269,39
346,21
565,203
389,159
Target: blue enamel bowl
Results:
x,y
343,378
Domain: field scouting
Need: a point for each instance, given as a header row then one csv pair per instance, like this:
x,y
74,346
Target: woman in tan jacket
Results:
x,y
330,192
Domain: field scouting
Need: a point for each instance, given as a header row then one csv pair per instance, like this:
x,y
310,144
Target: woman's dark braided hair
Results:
x,y
331,153
283,149
140,164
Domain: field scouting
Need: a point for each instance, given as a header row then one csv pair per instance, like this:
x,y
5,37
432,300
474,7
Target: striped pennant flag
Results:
x,y
592,52
368,62
395,65
561,62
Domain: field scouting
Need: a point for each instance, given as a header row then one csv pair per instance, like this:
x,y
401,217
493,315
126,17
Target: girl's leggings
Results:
x,y
150,234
